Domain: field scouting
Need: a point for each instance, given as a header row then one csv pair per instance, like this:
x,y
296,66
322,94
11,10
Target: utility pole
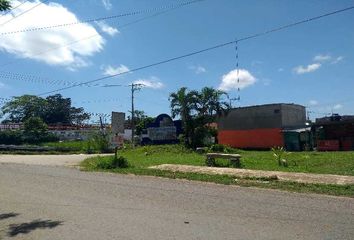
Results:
x,y
134,87
233,99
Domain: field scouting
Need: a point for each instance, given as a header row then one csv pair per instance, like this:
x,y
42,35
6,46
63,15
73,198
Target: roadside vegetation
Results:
x,y
140,158
340,163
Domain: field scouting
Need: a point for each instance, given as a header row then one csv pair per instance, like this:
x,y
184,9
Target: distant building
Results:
x,y
73,132
162,131
262,126
10,126
334,133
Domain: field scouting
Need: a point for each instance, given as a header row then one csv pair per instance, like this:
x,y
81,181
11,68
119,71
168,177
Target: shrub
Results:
x,y
112,163
98,143
11,137
222,149
278,153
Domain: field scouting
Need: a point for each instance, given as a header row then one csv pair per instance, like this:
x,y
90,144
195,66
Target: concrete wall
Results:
x,y
293,116
259,126
265,116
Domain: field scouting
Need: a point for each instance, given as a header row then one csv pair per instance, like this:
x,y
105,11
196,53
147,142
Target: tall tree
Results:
x,y
58,110
19,109
52,110
210,104
197,109
182,104
5,5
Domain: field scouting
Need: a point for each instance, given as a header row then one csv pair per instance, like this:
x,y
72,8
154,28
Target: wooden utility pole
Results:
x,y
134,87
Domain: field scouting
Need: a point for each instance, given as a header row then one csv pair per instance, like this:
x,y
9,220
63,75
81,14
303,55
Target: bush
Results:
x,y
98,142
112,163
278,154
11,137
222,149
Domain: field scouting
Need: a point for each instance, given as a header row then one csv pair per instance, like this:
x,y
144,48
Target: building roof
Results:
x,y
270,105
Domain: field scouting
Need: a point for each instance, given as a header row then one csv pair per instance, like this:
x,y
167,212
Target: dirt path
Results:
x,y
245,173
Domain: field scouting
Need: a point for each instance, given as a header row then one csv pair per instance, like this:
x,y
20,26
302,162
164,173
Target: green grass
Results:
x,y
79,146
141,158
341,163
336,190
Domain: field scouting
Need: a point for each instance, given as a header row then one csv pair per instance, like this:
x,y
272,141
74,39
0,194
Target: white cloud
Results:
x,y
337,106
36,45
107,4
313,102
229,80
310,68
152,82
109,70
337,60
107,29
322,58
198,69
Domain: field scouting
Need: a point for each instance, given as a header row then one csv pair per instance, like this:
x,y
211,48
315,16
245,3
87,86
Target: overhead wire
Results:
x,y
7,12
166,9
102,18
24,12
206,49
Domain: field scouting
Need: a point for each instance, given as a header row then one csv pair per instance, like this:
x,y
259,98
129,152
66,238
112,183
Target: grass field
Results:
x,y
75,146
140,158
341,163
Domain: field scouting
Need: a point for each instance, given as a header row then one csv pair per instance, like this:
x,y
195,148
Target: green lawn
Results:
x,y
75,146
140,158
341,163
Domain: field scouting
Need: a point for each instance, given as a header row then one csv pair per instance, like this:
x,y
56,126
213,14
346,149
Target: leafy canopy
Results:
x,y
197,109
52,110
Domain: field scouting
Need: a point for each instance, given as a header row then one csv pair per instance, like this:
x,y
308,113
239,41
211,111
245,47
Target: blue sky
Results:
x,y
309,64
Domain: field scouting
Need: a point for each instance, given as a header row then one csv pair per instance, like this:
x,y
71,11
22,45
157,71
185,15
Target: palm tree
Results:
x,y
182,104
4,5
210,103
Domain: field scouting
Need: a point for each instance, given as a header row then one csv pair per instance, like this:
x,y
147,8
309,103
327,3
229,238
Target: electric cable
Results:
x,y
205,49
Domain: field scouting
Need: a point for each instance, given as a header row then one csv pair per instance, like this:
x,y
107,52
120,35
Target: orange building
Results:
x,y
260,127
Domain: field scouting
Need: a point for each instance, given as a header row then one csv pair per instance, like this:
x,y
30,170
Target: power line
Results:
x,y
103,18
173,7
206,49
2,24
7,12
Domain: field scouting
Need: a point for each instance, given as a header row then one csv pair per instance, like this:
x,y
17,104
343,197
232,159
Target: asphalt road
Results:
x,y
48,160
46,202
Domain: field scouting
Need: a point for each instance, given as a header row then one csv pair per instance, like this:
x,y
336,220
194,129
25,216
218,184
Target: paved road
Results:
x,y
50,160
46,202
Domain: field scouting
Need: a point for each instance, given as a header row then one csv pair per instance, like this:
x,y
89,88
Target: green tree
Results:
x,y
210,104
35,130
182,104
141,121
197,110
52,110
78,115
5,5
19,109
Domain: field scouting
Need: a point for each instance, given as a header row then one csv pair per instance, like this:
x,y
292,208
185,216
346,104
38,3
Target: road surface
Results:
x,y
52,202
49,160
